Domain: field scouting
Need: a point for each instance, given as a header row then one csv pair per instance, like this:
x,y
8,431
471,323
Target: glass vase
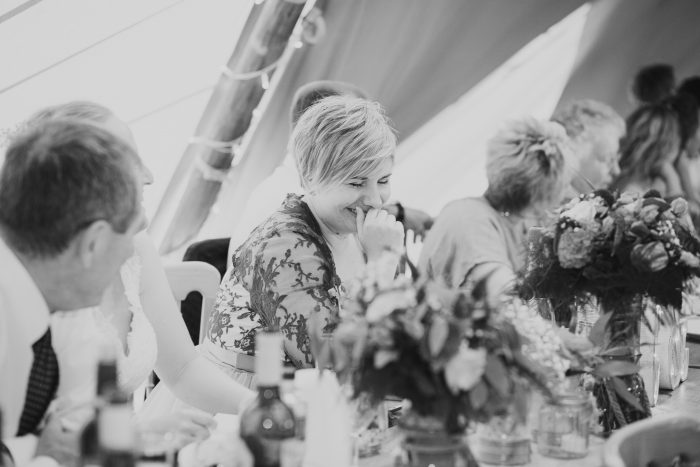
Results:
x,y
502,441
622,334
563,426
426,443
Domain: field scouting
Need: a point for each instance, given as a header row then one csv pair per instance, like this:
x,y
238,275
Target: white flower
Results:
x,y
465,368
386,302
583,212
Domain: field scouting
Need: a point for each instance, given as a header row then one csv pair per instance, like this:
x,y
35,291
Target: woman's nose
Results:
x,y
371,197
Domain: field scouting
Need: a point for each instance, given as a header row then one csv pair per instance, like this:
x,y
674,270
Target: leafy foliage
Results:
x,y
449,353
614,246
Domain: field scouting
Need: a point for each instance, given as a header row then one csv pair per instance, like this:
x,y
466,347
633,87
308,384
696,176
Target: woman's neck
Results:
x,y
527,212
328,233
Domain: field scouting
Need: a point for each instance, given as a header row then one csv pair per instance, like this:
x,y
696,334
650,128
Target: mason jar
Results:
x,y
563,426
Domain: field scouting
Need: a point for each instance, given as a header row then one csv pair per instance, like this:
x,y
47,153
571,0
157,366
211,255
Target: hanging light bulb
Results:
x,y
265,81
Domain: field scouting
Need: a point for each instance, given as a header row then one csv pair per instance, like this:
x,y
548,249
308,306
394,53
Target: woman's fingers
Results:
x,y
380,232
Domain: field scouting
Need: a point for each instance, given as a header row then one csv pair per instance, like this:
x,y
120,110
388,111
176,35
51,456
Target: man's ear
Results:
x,y
92,242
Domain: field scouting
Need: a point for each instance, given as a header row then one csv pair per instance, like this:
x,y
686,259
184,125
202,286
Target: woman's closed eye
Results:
x,y
361,183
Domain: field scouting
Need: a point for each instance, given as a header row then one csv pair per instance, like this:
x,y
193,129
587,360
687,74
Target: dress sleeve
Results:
x,y
465,235
292,288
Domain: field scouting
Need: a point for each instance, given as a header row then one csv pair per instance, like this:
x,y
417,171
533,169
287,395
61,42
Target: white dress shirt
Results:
x,y
24,318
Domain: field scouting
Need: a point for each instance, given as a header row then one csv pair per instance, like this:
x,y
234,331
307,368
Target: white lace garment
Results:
x,y
79,335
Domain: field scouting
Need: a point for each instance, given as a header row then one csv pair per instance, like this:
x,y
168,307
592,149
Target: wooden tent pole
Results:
x,y
225,120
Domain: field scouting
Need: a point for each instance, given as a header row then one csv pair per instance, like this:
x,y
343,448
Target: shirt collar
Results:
x,y
22,295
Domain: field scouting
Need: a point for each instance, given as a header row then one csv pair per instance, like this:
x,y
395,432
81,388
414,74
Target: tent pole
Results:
x,y
225,120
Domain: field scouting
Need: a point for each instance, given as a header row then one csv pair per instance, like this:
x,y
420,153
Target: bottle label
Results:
x,y
115,428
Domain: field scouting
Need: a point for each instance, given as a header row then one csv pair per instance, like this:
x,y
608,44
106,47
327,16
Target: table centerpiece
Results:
x,y
452,356
621,249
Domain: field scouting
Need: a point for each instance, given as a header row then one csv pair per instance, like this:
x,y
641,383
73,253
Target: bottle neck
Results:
x,y
108,390
268,358
106,378
268,393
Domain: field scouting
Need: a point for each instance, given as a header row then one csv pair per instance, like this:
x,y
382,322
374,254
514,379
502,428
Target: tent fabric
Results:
x,y
152,62
412,56
621,36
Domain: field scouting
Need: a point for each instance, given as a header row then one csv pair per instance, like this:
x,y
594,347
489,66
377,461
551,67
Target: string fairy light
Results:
x,y
312,27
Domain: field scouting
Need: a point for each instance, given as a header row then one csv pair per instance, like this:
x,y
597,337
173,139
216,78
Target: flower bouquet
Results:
x,y
621,250
612,247
454,358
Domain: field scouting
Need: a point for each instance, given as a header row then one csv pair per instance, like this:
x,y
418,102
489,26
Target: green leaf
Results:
x,y
621,390
615,368
520,403
597,334
437,335
478,395
620,351
497,374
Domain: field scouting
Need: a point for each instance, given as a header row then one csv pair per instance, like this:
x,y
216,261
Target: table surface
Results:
x,y
685,399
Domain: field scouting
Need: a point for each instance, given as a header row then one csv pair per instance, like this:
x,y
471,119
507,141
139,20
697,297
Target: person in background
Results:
x,y
70,206
688,164
595,130
652,84
650,150
139,317
289,272
529,165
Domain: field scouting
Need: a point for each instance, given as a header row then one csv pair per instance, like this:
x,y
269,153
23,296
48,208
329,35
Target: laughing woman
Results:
x,y
288,273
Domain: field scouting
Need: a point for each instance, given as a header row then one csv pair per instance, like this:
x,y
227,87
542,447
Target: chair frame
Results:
x,y
195,276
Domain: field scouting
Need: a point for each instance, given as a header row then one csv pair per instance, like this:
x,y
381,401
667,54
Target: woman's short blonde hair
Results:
x,y
340,138
529,162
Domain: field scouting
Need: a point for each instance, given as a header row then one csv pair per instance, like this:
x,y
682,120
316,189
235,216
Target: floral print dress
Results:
x,y
283,276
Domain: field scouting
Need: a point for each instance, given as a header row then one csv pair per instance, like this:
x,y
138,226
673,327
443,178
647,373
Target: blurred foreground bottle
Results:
x,y
268,425
109,439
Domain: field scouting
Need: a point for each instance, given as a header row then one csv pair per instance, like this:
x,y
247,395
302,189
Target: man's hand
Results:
x,y
59,443
414,219
418,221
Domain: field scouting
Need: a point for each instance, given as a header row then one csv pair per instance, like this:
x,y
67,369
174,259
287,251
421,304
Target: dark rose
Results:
x,y
649,257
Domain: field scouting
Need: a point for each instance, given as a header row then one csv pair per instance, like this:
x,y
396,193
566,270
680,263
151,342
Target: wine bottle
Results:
x,y
109,439
268,423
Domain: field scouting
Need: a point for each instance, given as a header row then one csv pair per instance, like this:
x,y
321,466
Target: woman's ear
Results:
x,y
92,242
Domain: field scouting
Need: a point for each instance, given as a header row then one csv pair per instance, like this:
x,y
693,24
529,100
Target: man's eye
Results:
x,y
355,184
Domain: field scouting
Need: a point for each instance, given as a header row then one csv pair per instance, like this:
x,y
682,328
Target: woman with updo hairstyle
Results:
x,y
529,168
288,274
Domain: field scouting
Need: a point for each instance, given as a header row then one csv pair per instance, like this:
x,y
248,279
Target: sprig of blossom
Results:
x,y
541,343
